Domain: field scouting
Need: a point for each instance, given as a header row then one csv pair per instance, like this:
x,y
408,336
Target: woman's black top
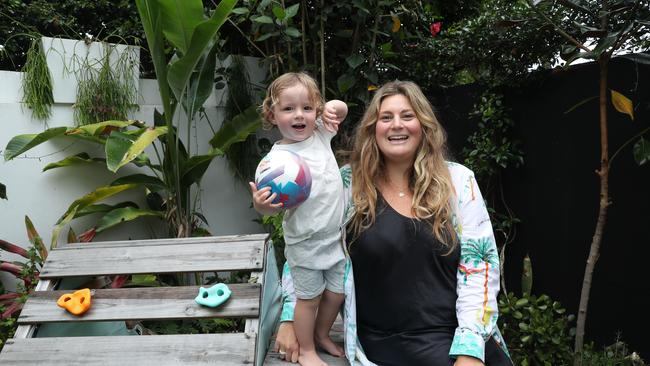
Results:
x,y
405,283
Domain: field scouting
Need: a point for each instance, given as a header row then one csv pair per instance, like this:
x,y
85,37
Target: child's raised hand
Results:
x,y
263,200
331,120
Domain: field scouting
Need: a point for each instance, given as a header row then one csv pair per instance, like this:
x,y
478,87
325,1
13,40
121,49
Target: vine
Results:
x,y
37,81
107,92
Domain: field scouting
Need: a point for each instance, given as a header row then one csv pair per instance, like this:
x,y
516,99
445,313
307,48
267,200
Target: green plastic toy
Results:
x,y
213,296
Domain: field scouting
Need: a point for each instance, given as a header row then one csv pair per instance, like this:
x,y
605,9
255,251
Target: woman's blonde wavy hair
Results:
x,y
429,178
285,81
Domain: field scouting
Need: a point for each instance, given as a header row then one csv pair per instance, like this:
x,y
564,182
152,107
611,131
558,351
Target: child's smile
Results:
x,y
294,114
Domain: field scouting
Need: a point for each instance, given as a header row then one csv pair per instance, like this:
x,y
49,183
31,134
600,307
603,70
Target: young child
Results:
x,y
312,230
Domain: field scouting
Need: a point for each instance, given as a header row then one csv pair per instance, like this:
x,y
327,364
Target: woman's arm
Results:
x,y
288,295
286,343
478,270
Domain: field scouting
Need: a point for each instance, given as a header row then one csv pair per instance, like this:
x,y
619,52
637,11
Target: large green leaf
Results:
x,y
179,19
117,144
120,215
151,22
21,143
196,167
99,194
180,70
99,128
345,82
81,203
202,81
292,10
136,148
152,183
78,159
237,129
102,208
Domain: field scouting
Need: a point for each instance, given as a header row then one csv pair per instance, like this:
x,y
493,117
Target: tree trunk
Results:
x,y
322,49
303,27
594,252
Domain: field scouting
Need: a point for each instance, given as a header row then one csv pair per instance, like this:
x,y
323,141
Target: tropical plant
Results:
x,y
598,31
184,79
26,272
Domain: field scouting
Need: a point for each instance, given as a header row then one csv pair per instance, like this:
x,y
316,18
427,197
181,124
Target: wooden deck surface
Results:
x,y
273,359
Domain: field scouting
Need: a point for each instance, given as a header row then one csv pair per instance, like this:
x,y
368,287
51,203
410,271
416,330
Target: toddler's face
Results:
x,y
294,114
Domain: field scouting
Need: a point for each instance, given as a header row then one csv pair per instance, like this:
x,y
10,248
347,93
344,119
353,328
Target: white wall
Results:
x,y
44,196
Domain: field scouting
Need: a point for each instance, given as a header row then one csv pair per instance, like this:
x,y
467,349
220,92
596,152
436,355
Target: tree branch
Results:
x,y
558,29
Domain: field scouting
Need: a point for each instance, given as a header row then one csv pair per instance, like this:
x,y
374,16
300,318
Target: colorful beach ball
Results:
x,y
288,176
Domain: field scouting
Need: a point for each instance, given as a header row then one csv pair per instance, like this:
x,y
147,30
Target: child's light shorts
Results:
x,y
310,283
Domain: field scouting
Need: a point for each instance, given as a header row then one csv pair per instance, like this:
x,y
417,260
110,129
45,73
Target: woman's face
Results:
x,y
398,131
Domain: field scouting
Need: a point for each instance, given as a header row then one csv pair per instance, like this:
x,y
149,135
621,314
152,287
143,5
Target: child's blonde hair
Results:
x,y
286,81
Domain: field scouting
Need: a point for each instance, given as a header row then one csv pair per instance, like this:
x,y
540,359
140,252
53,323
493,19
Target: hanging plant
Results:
x,y
107,92
37,82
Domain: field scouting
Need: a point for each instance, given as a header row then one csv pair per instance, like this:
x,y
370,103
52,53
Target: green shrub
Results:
x,y
536,329
273,225
616,354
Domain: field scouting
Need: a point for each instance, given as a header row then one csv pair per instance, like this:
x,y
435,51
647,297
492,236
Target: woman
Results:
x,y
421,243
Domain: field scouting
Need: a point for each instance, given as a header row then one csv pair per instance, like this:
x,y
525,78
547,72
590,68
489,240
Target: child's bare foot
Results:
x,y
328,345
310,358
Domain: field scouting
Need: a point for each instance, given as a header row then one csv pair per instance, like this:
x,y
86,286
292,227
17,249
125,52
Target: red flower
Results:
x,y
435,28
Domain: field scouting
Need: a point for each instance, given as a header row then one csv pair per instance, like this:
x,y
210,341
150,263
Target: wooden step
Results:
x,y
154,303
142,257
160,350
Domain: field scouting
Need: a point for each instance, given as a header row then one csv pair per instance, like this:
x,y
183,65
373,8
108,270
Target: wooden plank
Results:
x,y
154,303
198,349
27,331
168,258
150,242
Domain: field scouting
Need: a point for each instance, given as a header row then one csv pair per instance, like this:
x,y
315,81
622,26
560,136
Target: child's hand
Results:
x,y
334,113
330,119
263,200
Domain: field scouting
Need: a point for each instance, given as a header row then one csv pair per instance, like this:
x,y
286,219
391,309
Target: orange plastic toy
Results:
x,y
76,303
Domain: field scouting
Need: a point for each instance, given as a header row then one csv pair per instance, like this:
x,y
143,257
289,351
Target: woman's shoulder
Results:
x,y
459,171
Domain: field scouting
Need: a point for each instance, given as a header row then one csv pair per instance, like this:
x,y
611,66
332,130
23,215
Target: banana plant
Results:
x,y
184,79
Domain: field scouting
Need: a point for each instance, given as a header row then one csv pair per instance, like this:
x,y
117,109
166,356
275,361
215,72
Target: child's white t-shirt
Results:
x,y
322,212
